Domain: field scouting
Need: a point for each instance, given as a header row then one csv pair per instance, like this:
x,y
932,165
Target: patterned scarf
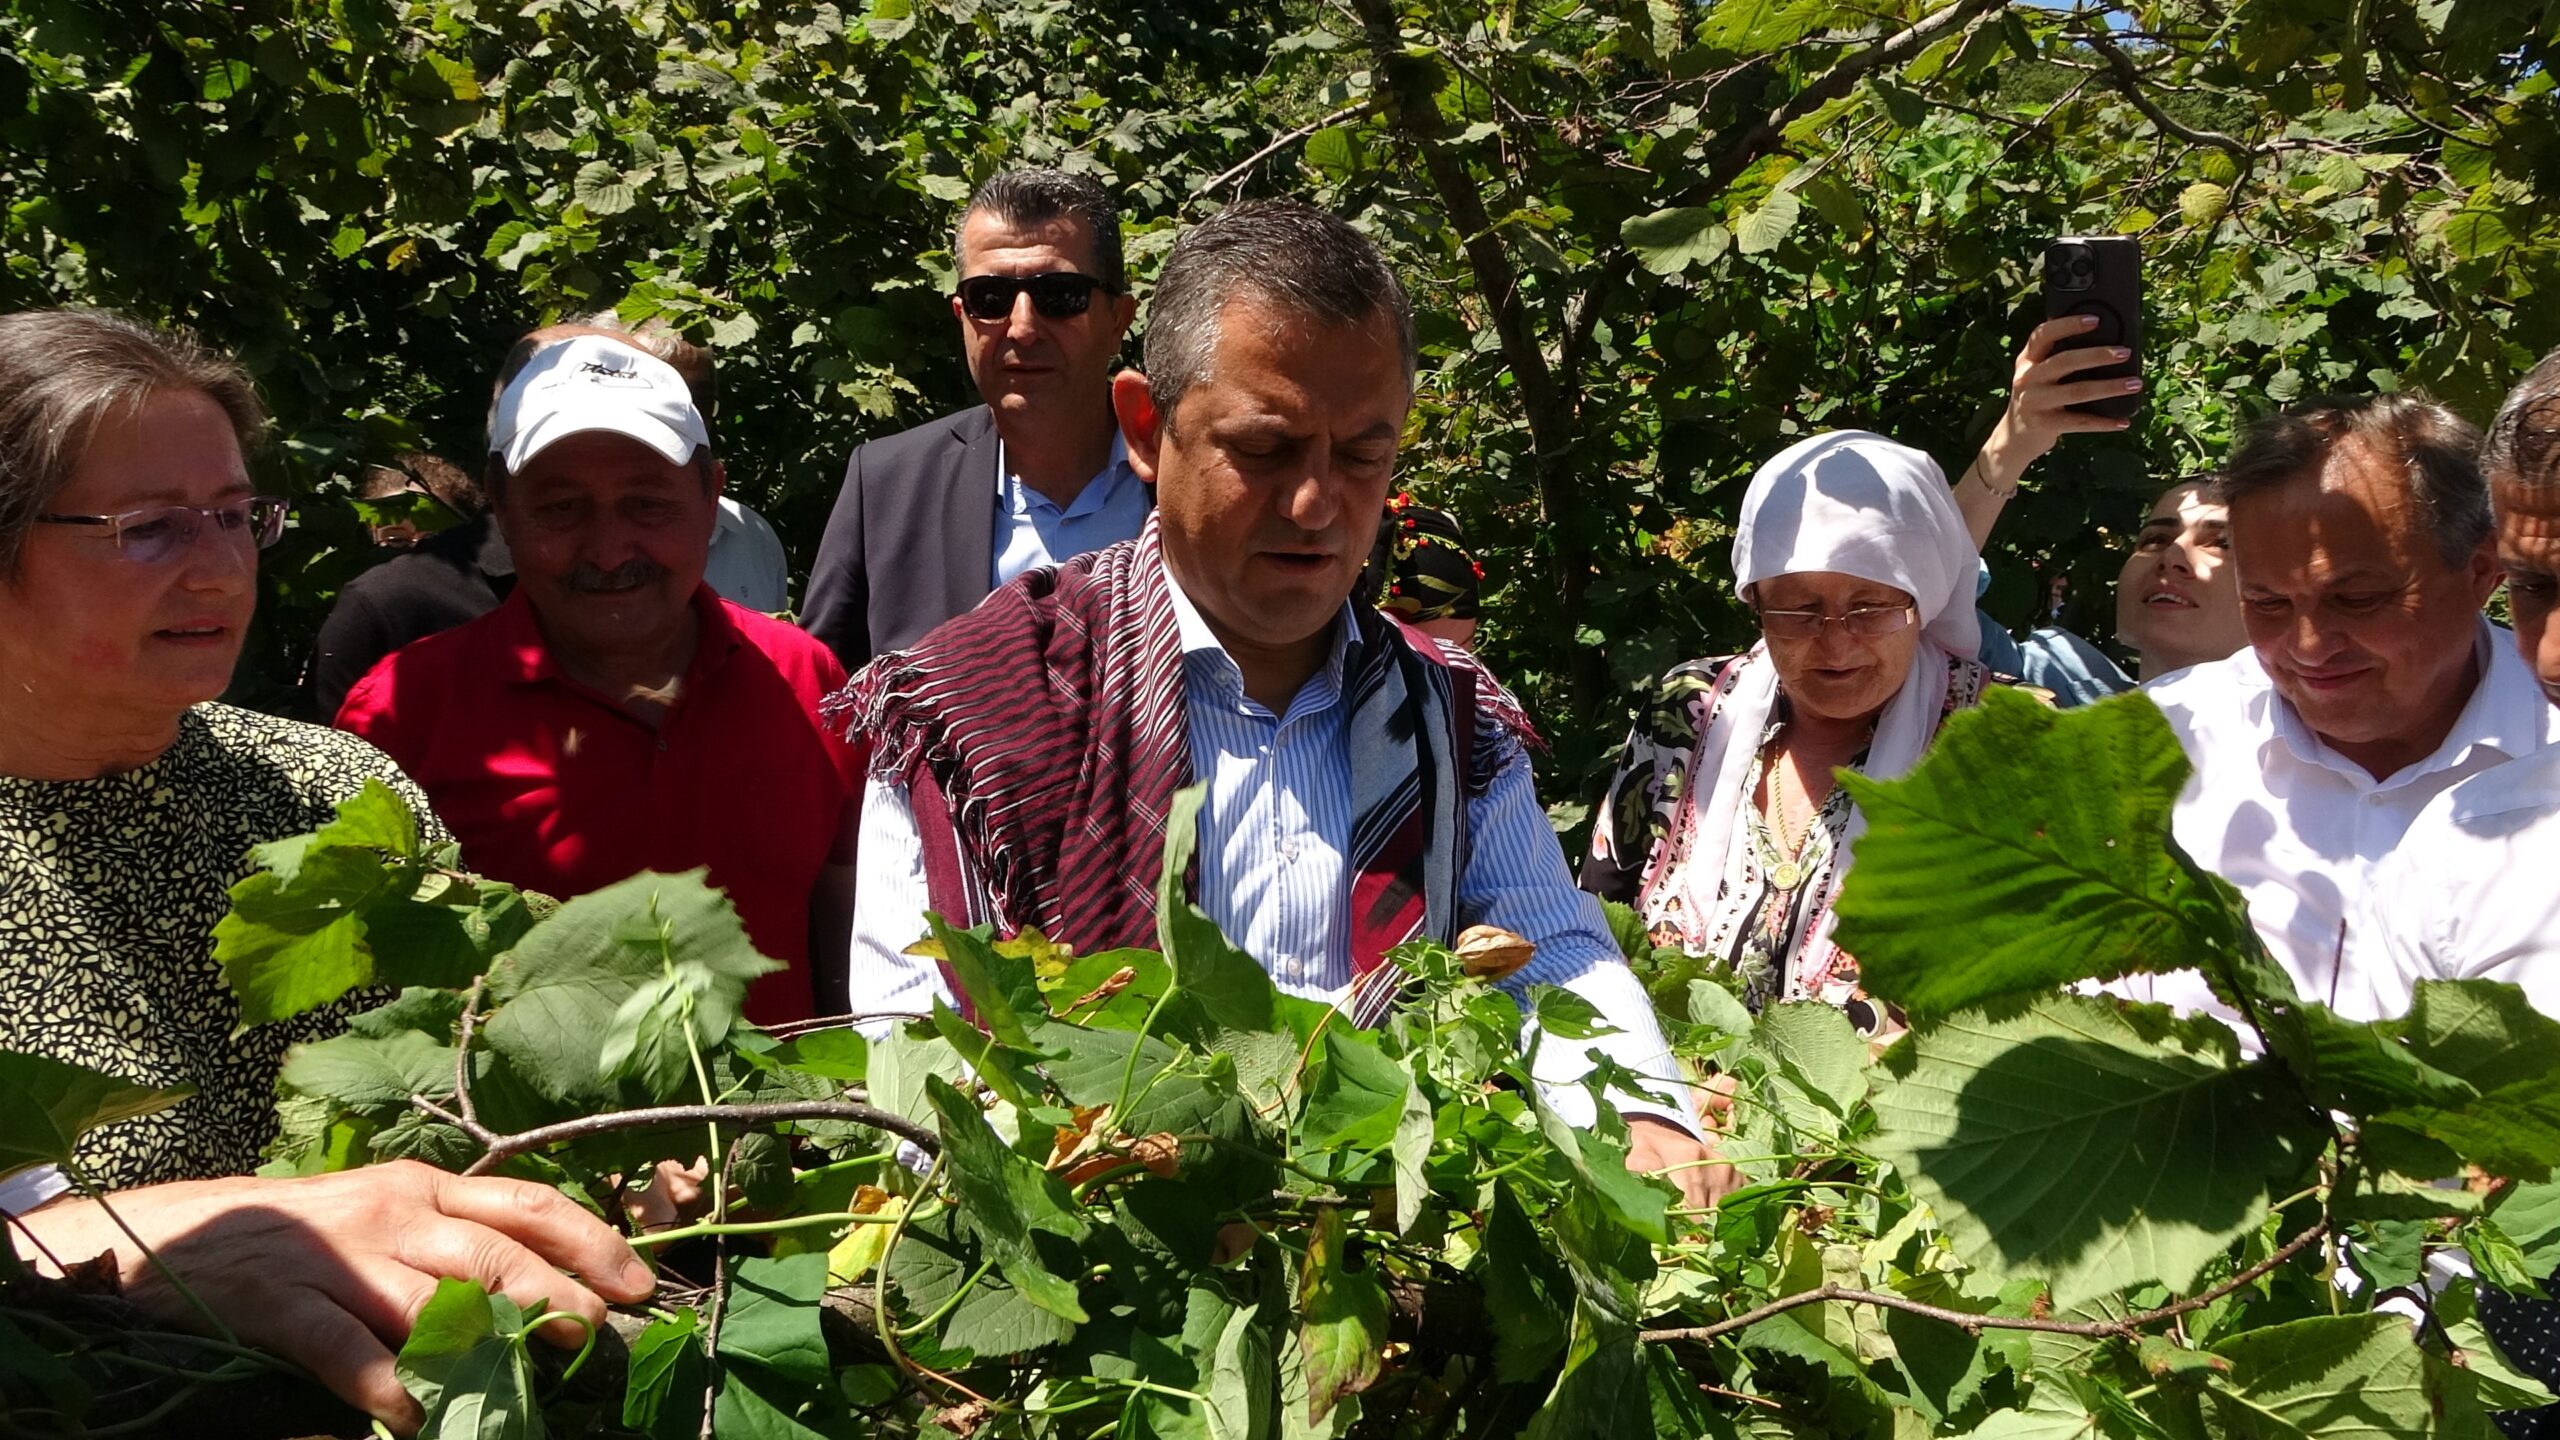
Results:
x,y
1042,736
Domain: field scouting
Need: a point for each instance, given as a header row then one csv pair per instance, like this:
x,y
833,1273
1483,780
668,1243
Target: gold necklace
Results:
x,y
1785,867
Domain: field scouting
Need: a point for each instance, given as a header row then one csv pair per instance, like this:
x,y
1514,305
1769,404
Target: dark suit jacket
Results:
x,y
912,539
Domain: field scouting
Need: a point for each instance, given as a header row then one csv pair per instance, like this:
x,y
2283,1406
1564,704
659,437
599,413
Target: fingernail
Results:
x,y
2133,384
2121,353
2088,320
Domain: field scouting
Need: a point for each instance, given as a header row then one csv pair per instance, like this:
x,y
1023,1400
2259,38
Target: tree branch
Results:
x,y
757,1116
2124,1329
1243,167
2128,80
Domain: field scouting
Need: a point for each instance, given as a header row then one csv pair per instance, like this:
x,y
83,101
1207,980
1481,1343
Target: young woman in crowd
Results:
x,y
2177,598
1723,825
129,539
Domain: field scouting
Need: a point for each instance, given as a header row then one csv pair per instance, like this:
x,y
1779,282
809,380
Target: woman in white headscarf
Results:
x,y
1724,826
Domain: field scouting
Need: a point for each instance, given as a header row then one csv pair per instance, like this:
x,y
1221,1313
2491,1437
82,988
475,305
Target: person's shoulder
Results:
x,y
2218,696
797,653
315,756
923,444
2525,790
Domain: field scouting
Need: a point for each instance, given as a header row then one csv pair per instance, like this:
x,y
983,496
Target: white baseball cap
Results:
x,y
594,383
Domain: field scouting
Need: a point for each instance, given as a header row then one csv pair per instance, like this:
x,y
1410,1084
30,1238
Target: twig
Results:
x,y
1245,166
502,1148
462,1051
2129,84
1974,1324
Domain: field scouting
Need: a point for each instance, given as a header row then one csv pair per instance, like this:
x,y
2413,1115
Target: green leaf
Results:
x,y
2062,1139
1343,1329
1671,242
1813,1046
363,1073
745,1412
1334,150
1358,1097
46,1105
1752,26
1966,888
1004,992
2203,203
990,1319
663,1359
1005,1200
465,1363
772,1317
1230,987
1600,1394
2473,234
1243,1379
293,945
1415,1131
2487,1035
602,190
2530,1215
1525,1290
1760,231
587,997
2335,1377
1637,1202
2498,1384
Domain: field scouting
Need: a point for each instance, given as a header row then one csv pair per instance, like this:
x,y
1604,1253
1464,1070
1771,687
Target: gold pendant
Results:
x,y
1786,875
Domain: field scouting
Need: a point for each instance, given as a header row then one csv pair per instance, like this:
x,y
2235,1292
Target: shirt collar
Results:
x,y
2504,714
1105,486
525,658
1199,640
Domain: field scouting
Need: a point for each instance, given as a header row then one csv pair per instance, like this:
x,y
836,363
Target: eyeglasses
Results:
x,y
1057,295
1867,624
156,534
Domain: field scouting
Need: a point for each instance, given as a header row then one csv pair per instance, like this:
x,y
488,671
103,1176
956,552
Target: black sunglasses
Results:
x,y
1057,295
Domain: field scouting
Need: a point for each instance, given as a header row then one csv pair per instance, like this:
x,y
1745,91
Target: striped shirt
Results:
x,y
1274,874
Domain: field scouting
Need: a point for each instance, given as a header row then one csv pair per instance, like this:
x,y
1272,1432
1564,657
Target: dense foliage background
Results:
x,y
1654,238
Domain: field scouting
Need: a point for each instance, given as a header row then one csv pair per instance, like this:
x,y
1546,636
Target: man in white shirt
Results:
x,y
2474,891
1363,787
2372,684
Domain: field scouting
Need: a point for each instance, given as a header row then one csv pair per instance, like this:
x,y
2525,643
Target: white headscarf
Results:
x,y
1857,504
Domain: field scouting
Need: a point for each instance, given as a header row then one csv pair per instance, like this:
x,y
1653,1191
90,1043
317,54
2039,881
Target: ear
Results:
x,y
2484,572
959,314
1124,313
719,478
1140,425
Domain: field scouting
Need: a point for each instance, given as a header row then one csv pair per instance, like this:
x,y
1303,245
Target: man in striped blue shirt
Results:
x,y
1363,787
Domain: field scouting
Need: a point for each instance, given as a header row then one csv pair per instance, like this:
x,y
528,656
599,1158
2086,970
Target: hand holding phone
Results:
x,y
2097,278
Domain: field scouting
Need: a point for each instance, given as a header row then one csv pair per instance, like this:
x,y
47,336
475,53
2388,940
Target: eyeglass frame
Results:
x,y
262,518
1846,620
1015,286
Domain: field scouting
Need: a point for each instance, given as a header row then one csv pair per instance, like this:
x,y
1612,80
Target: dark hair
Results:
x,y
64,373
2438,450
2523,445
1037,197
1285,253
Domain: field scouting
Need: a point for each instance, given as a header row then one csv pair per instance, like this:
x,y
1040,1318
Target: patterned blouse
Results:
x,y
109,891
1755,927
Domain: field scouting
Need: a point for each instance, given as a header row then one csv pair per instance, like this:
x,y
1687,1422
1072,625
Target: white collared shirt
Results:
x,y
2473,893
2300,828
1274,872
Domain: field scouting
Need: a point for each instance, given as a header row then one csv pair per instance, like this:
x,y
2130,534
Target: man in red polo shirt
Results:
x,y
615,715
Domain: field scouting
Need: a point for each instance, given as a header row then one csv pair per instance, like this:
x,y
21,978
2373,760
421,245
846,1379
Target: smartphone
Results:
x,y
2099,275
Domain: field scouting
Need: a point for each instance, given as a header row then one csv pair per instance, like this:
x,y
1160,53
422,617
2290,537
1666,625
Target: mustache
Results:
x,y
629,575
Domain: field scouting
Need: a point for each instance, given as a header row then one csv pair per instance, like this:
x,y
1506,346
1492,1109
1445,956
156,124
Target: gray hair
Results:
x,y
2436,449
1285,253
64,373
2523,446
1038,197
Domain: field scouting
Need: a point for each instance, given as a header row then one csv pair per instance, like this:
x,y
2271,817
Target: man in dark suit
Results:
x,y
933,518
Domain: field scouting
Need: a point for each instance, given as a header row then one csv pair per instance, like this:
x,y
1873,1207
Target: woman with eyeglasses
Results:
x,y
1723,825
129,801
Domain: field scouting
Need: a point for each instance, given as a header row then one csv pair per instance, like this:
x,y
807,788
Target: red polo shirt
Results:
x,y
551,786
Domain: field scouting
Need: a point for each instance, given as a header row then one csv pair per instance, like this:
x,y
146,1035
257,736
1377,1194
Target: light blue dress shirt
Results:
x,y
1033,530
1274,871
